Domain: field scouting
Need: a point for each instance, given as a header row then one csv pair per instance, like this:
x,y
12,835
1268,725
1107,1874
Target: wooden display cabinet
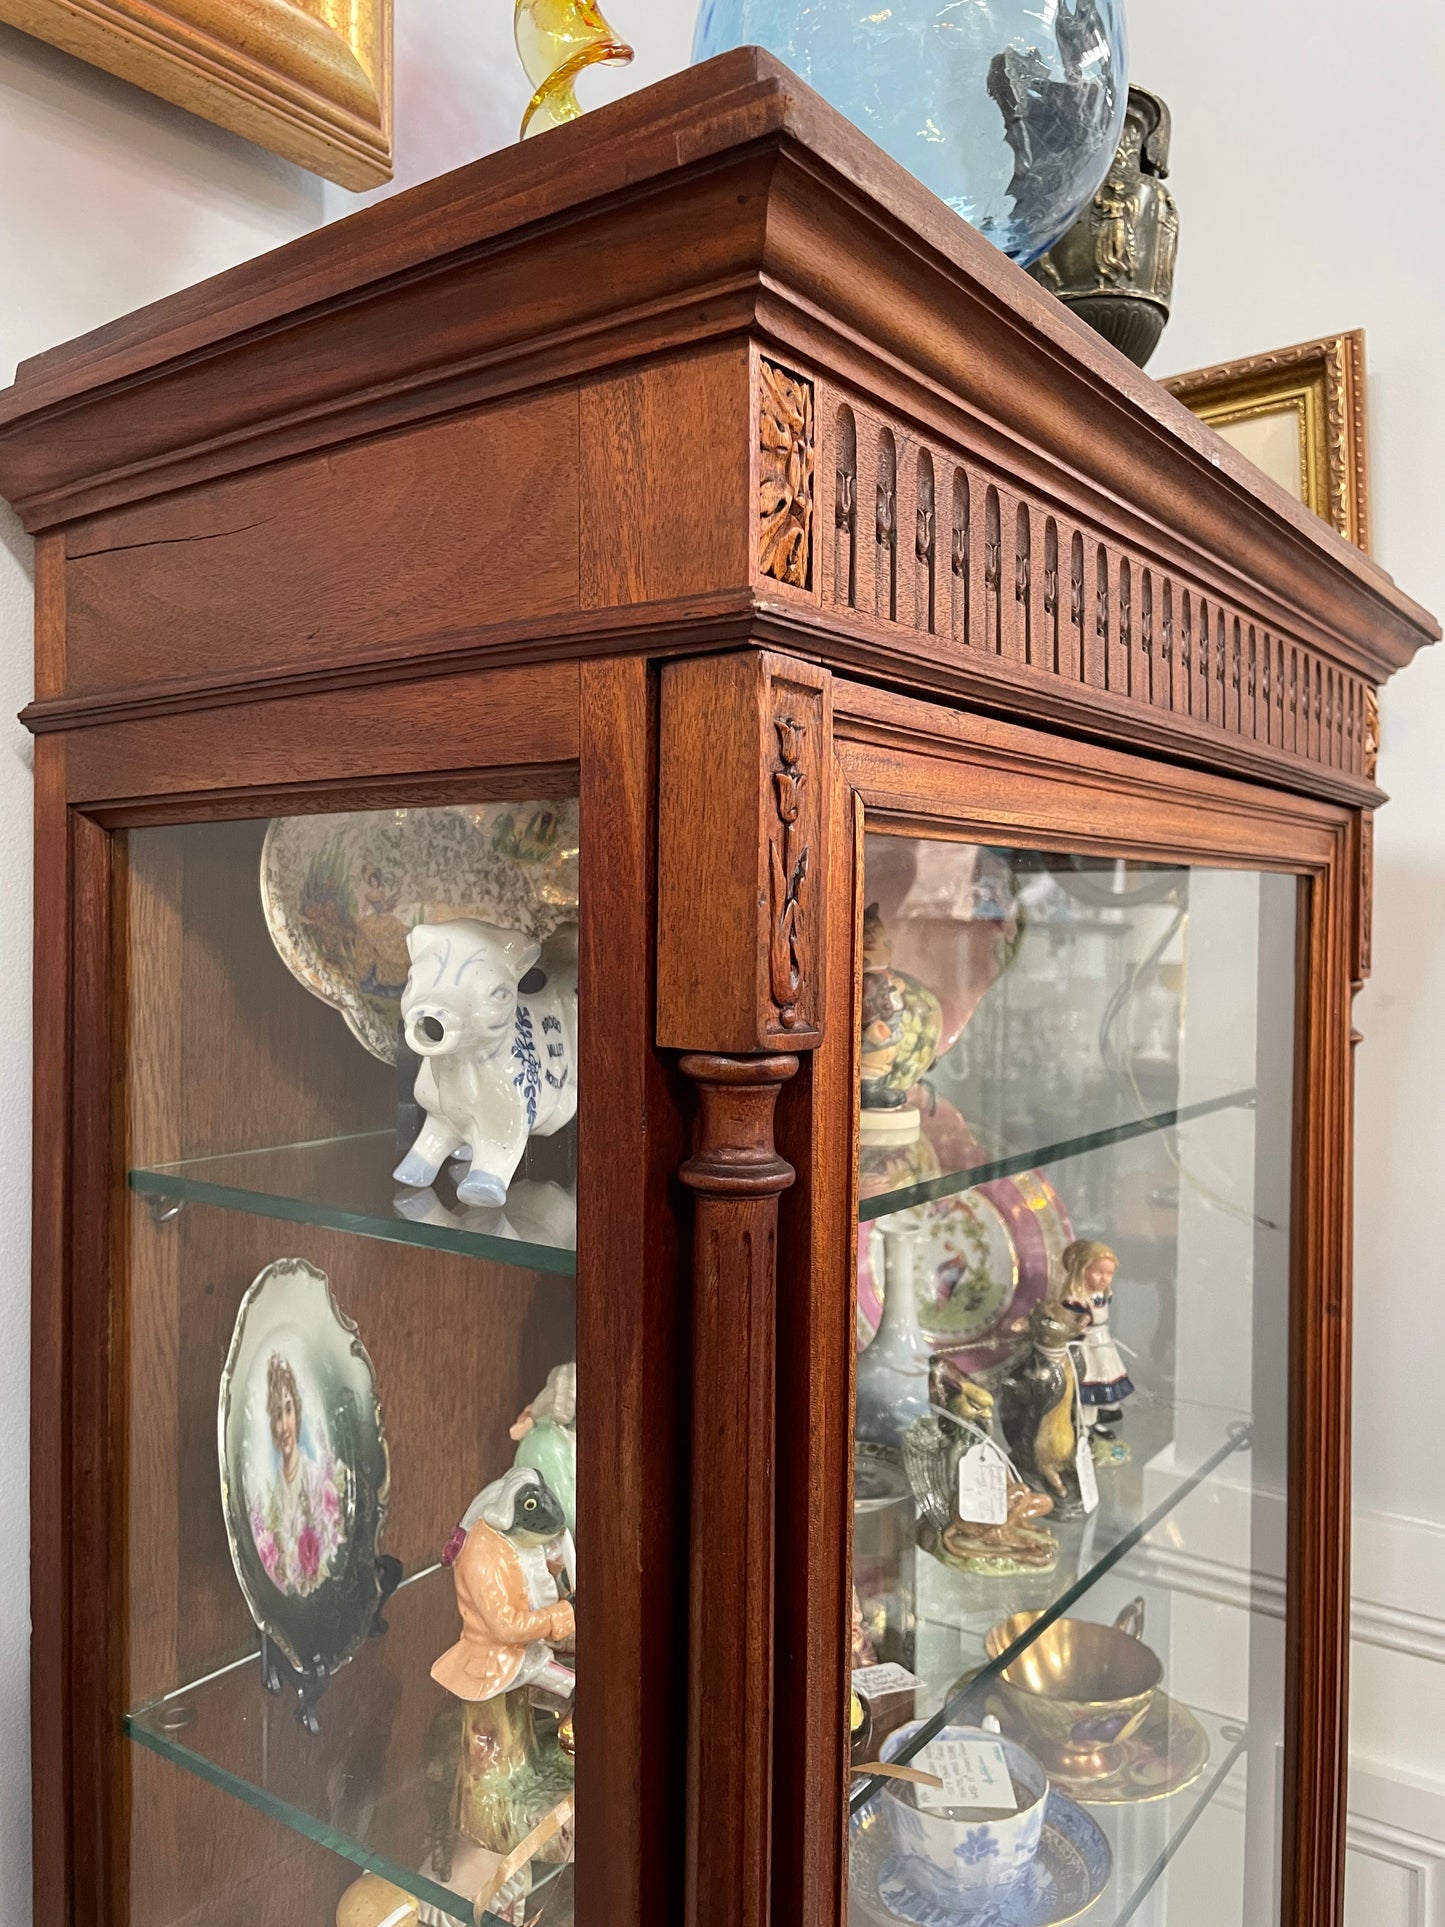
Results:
x,y
691,462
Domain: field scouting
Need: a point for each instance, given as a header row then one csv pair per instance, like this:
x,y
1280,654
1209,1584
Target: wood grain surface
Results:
x,y
693,460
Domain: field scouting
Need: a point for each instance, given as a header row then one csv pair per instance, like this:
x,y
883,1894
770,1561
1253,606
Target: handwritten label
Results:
x,y
974,1774
983,1485
874,1681
1088,1478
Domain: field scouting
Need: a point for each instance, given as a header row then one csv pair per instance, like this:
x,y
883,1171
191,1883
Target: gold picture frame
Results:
x,y
308,79
1300,414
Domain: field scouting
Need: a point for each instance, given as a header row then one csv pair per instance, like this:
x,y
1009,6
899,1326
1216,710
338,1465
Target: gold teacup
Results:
x,y
1080,1689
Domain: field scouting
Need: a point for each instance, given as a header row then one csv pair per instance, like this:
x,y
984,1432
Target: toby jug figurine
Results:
x,y
512,1561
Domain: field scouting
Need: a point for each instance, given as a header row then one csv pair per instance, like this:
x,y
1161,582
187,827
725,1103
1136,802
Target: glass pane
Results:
x,y
351,1365
1075,1129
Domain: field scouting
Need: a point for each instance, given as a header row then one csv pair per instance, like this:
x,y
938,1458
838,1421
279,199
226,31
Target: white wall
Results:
x,y
1309,151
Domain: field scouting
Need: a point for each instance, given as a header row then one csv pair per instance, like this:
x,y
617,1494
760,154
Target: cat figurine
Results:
x,y
1038,1408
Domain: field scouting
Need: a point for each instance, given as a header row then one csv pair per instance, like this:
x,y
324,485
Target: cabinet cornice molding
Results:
x,y
731,202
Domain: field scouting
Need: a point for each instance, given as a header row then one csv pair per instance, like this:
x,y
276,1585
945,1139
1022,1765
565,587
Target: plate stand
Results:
x,y
305,1685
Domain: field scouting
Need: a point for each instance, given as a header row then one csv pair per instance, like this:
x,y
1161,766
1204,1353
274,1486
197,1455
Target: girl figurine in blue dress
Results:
x,y
1088,1287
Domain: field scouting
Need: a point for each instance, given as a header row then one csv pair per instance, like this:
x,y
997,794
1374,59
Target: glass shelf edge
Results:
x,y
952,1182
416,1884
169,1183
1150,1879
1237,1440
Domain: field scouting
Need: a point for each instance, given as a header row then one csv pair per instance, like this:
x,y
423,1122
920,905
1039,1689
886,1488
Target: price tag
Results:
x,y
983,1485
974,1774
874,1681
1088,1478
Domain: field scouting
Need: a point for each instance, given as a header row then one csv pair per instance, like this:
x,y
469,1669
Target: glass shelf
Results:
x,y
984,1172
954,1609
345,1184
1144,1836
360,1786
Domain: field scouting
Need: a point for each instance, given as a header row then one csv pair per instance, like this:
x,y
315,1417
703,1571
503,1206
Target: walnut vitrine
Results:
x,y
901,790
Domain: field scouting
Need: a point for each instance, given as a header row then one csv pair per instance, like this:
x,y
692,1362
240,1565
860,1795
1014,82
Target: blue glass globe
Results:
x,y
1010,110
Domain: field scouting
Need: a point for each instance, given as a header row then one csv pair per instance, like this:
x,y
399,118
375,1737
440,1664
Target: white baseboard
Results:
x,y
1395,1857
1395,1851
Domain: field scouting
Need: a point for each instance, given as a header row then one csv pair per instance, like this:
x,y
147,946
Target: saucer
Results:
x,y
1169,1751
1068,1875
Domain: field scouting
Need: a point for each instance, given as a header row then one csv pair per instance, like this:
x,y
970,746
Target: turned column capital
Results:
x,y
734,1156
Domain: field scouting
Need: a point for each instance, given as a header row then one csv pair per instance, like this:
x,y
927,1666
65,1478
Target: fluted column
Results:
x,y
735,1175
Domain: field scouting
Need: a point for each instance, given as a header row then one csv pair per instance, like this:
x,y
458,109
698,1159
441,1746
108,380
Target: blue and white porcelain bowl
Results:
x,y
967,1859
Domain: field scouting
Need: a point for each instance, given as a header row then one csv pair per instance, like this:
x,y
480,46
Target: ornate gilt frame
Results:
x,y
1324,381
309,81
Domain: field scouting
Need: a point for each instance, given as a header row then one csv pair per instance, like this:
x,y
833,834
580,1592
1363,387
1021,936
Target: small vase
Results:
x,y
893,1372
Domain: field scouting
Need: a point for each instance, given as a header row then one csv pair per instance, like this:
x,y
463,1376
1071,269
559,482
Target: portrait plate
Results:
x,y
305,1473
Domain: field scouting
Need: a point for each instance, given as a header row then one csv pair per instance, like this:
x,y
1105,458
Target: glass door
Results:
x,y
1075,1124
351,1373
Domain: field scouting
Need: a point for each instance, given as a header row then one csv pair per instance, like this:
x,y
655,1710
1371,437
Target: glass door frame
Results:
x,y
903,764
431,739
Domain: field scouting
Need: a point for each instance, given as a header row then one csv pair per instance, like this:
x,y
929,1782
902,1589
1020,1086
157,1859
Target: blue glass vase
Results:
x,y
1010,110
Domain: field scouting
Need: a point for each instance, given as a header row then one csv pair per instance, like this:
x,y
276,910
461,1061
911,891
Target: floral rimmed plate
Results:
x,y
1069,1873
305,1473
341,893
1039,1227
965,1271
989,1257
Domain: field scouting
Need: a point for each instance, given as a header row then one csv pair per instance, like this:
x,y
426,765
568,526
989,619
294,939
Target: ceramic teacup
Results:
x,y
961,1859
1080,1689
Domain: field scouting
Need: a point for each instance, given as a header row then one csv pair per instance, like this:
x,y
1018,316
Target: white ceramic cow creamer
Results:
x,y
499,1062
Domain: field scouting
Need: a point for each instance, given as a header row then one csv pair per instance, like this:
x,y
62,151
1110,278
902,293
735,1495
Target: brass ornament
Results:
x,y
1115,266
785,475
1372,734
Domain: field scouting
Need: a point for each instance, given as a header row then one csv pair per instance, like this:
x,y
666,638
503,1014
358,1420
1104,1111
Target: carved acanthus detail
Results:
x,y
785,475
1367,895
1372,734
788,871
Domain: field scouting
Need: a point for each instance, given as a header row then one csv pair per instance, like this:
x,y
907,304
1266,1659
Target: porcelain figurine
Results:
x,y
1104,1381
546,1435
932,1450
1020,1544
902,1024
499,1061
511,1558
1038,1408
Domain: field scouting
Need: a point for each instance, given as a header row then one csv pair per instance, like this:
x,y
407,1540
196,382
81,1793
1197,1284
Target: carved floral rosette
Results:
x,y
785,475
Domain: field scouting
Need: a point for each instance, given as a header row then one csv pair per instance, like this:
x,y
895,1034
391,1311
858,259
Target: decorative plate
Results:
x,y
966,1271
1068,1875
340,893
1040,1228
305,1473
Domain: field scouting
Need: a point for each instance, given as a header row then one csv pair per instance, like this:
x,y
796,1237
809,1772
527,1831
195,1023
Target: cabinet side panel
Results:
x,y
385,542
632,1336
50,1550
661,515
1317,1702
